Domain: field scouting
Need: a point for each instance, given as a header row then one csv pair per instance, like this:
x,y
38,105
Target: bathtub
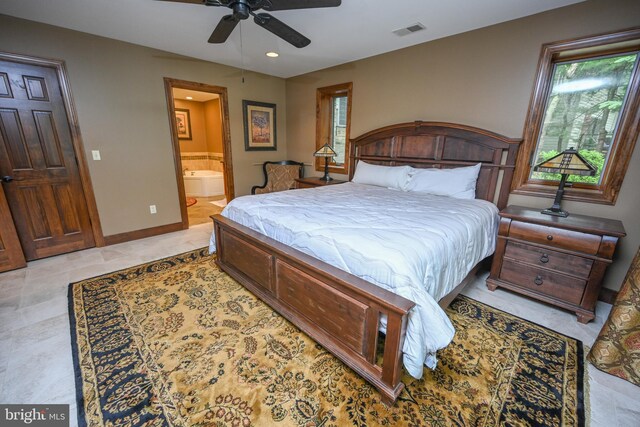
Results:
x,y
203,183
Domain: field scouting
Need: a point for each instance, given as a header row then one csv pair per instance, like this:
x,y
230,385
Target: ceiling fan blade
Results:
x,y
223,29
299,4
185,1
205,2
281,29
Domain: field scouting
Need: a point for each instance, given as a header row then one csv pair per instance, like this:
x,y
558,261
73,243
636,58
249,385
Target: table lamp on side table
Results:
x,y
327,152
569,162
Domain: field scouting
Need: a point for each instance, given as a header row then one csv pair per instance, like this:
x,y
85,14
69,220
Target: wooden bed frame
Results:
x,y
341,311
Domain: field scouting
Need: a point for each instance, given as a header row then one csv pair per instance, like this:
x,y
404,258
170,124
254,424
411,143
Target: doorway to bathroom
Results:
x,y
199,116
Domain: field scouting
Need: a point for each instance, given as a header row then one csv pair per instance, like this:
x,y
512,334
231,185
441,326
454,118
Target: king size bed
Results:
x,y
344,262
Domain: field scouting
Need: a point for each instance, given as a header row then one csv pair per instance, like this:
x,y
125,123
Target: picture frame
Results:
x,y
259,126
183,123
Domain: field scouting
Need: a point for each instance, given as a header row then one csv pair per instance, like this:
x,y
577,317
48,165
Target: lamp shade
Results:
x,y
325,151
569,162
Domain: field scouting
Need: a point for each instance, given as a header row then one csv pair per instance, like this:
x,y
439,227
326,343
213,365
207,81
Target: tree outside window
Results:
x,y
586,97
333,111
583,111
339,129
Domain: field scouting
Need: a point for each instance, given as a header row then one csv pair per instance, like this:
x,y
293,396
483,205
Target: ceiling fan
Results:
x,y
243,8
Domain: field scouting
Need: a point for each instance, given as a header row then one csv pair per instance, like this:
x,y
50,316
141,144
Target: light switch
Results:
x,y
95,154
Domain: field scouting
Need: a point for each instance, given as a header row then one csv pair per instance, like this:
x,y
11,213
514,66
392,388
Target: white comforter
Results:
x,y
416,245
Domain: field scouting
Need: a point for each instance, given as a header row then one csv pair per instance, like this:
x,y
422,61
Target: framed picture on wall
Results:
x,y
259,126
183,123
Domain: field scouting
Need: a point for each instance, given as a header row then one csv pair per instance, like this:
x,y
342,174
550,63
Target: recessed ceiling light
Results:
x,y
189,97
272,54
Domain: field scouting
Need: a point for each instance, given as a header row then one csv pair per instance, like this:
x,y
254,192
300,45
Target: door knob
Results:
x,y
7,178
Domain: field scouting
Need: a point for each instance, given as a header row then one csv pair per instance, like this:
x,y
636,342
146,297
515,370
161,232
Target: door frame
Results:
x,y
227,169
76,139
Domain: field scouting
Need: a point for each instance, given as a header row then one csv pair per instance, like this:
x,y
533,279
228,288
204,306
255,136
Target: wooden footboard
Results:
x,y
338,310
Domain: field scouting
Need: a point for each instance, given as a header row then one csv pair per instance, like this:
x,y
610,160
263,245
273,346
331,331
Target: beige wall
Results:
x,y
213,125
119,93
198,141
206,126
481,78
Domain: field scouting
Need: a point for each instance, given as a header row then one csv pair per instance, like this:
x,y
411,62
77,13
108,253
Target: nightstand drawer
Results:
x,y
314,182
558,285
547,258
300,185
555,237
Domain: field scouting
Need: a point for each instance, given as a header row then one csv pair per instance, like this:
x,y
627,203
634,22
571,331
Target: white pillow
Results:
x,y
382,176
458,182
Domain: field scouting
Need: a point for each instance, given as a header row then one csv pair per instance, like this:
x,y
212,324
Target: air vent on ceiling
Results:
x,y
410,29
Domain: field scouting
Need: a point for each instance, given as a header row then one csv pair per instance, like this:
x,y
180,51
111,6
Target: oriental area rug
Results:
x,y
177,342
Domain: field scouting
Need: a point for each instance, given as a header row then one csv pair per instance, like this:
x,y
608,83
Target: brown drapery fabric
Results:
x,y
617,348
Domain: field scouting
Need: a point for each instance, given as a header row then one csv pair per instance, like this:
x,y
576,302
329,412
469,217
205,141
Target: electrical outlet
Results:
x,y
95,154
152,209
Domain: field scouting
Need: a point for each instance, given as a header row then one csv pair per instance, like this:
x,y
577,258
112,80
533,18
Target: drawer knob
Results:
x,y
544,258
549,237
538,280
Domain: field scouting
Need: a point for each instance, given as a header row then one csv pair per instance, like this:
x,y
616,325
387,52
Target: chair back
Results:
x,y
279,176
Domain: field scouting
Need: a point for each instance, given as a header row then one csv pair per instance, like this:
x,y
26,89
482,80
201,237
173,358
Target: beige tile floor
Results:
x,y
35,349
202,210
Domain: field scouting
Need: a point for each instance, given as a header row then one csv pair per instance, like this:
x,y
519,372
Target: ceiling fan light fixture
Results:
x,y
272,54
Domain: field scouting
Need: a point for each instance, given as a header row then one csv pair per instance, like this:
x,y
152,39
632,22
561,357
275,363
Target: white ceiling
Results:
x,y
357,29
195,95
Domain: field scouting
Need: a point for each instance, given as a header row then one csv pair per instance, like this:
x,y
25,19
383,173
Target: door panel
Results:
x,y
37,220
5,88
11,255
36,149
13,139
49,142
36,88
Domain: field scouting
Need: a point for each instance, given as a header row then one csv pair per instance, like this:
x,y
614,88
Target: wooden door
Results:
x,y
38,166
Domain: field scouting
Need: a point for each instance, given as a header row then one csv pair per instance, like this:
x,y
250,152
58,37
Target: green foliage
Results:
x,y
628,59
594,157
587,114
610,105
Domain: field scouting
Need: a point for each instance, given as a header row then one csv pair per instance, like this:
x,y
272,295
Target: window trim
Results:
x,y
628,127
323,123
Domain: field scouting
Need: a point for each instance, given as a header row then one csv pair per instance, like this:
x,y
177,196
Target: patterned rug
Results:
x,y
190,201
177,342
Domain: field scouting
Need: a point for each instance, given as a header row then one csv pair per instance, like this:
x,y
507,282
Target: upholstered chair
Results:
x,y
279,176
617,349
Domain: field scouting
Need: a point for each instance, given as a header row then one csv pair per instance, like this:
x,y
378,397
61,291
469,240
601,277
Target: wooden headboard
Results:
x,y
442,145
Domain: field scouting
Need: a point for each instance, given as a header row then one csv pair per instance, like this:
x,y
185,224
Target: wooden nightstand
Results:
x,y
315,182
557,260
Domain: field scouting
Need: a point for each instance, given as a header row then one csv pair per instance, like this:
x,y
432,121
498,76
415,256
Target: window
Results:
x,y
333,111
585,97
